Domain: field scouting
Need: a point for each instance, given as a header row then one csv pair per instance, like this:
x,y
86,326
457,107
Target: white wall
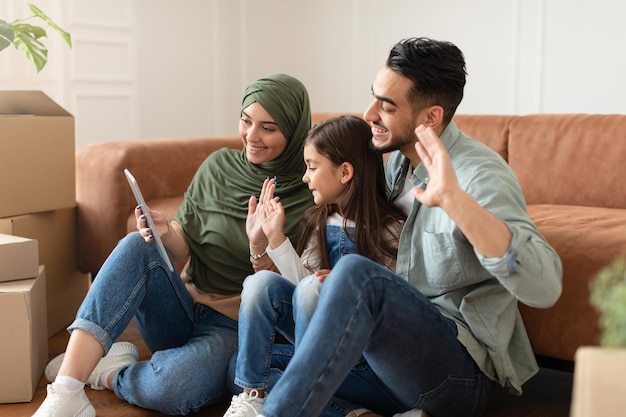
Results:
x,y
156,68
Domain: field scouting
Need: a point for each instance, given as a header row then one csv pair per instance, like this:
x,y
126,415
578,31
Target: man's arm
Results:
x,y
523,262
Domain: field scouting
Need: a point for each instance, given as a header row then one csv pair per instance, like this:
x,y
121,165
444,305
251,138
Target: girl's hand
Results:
x,y
256,214
274,223
160,221
321,274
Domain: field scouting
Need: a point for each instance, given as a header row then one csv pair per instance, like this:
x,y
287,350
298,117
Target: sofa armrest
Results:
x,y
163,168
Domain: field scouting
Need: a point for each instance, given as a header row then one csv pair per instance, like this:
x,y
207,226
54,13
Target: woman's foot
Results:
x,y
61,402
120,355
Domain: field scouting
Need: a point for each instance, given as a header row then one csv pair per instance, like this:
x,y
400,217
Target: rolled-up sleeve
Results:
x,y
530,269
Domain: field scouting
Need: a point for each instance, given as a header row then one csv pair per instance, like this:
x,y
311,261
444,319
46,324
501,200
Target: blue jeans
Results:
x,y
192,345
266,307
412,356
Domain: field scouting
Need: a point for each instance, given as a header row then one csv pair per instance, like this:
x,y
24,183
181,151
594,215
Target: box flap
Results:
x,y
29,102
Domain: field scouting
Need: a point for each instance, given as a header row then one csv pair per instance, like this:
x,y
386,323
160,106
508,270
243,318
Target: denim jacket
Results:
x,y
480,294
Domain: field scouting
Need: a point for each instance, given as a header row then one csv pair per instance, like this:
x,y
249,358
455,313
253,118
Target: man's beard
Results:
x,y
398,142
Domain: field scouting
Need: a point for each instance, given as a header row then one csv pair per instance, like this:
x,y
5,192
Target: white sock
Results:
x,y
104,377
71,384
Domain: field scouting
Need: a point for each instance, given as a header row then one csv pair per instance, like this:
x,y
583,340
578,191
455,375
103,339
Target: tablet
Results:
x,y
140,201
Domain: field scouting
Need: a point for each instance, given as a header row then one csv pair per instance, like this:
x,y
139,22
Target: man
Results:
x,y
440,332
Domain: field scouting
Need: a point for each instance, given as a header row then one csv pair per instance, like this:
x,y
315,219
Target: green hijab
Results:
x,y
215,206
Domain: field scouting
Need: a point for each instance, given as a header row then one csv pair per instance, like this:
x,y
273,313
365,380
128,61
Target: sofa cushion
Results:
x,y
570,159
586,239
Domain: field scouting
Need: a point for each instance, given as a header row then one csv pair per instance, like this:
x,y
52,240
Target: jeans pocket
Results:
x,y
457,397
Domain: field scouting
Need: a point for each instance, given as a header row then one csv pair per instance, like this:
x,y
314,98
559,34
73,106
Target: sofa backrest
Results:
x,y
570,159
492,130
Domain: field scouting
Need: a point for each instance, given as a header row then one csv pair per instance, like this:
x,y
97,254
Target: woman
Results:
x,y
190,326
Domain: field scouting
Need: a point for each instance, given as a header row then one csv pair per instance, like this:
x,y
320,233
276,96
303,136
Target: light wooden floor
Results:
x,y
547,395
105,402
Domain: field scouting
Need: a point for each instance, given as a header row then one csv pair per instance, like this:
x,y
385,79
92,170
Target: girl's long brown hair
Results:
x,y
348,139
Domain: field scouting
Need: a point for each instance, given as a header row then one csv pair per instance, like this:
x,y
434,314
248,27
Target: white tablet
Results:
x,y
140,201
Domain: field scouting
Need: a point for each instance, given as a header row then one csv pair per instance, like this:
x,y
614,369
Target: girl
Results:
x,y
351,215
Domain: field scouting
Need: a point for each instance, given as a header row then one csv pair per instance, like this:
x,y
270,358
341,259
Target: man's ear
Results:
x,y
432,116
347,172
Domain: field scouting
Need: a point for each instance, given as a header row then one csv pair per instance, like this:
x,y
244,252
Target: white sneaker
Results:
x,y
244,405
60,402
416,412
358,412
120,355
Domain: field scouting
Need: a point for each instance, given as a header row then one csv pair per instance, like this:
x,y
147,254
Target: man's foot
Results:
x,y
244,405
120,355
60,402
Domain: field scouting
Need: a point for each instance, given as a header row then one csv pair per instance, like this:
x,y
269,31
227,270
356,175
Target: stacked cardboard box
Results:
x,y
23,326
38,199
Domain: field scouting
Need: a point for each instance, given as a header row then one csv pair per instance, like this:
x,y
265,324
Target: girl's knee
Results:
x,y
307,293
260,285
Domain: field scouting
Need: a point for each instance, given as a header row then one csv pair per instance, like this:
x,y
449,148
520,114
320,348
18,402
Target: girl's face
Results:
x,y
326,181
261,136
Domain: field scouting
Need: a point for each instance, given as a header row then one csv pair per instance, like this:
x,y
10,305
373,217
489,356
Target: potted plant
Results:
x,y
28,37
599,387
608,295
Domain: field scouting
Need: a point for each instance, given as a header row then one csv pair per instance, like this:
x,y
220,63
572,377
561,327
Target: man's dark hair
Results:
x,y
437,70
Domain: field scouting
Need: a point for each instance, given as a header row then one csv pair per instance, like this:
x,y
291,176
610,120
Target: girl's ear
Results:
x,y
347,172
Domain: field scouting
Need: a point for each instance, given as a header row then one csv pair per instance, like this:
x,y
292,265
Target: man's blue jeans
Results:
x,y
413,358
192,345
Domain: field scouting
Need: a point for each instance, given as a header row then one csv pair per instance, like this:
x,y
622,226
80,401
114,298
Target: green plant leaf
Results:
x,y
27,39
37,12
6,34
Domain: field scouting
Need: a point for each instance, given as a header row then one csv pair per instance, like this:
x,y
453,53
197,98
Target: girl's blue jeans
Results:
x,y
192,344
412,358
266,308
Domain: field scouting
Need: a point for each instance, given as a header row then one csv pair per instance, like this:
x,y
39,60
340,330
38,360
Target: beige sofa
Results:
x,y
571,168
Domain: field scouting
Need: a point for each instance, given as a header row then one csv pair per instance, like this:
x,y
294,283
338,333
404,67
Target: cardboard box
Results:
x,y
19,258
56,233
24,341
37,157
599,388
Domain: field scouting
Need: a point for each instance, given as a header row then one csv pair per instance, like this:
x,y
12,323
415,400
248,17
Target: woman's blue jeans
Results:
x,y
412,356
192,345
